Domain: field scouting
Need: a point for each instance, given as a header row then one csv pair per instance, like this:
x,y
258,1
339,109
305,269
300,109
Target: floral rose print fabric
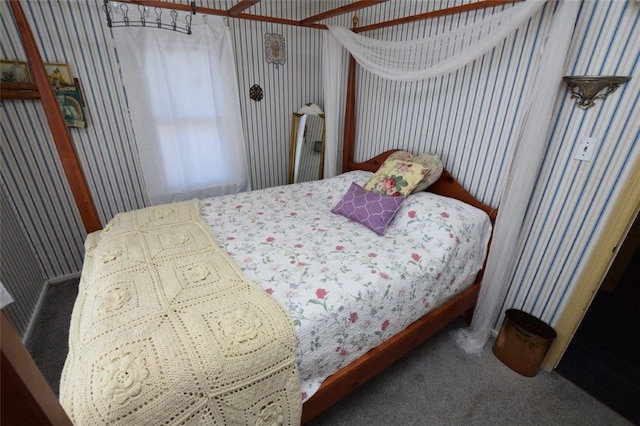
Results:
x,y
396,177
346,288
428,160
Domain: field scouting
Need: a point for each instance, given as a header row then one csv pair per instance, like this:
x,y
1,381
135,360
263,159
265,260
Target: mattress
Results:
x,y
346,288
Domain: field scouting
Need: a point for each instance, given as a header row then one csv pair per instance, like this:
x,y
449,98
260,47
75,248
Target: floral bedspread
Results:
x,y
346,288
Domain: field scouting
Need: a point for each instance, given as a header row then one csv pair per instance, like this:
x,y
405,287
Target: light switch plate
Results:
x,y
586,148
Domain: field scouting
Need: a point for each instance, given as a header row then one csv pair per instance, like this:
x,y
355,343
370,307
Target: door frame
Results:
x,y
620,220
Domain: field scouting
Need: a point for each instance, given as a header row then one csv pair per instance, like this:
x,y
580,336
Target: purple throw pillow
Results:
x,y
375,211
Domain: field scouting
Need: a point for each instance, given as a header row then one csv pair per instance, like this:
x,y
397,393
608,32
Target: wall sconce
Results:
x,y
589,88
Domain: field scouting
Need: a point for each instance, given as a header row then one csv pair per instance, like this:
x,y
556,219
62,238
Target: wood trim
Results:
x,y
26,395
274,20
436,13
341,10
240,6
373,362
448,186
6,93
19,91
59,130
349,135
624,256
625,210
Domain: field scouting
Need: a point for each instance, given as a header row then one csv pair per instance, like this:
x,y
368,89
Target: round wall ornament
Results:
x,y
255,93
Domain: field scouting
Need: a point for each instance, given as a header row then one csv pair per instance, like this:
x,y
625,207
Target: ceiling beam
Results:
x,y
241,6
274,20
340,10
436,13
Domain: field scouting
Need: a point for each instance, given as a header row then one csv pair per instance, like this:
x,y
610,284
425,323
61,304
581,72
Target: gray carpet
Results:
x,y
436,384
49,340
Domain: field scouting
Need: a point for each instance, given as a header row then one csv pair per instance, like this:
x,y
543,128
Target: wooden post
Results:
x,y
59,130
349,139
27,398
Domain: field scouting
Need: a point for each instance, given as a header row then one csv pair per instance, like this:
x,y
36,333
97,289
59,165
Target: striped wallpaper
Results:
x,y
466,117
21,273
573,198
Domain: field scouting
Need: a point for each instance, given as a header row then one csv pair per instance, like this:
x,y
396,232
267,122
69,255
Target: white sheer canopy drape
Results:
x,y
436,55
182,92
432,57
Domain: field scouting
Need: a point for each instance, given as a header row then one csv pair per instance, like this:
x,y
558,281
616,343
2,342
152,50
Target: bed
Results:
x,y
350,374
355,304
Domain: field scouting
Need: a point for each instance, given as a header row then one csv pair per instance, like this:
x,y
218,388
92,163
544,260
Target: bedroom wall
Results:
x,y
465,117
74,32
573,199
20,273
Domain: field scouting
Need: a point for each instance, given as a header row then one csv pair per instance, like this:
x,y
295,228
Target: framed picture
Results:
x,y
14,72
59,74
71,104
76,83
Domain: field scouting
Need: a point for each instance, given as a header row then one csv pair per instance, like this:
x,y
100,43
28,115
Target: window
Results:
x,y
183,95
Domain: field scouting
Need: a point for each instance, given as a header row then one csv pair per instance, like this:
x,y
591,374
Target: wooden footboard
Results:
x,y
373,362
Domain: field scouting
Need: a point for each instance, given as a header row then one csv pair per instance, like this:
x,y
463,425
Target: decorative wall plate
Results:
x,y
255,93
275,51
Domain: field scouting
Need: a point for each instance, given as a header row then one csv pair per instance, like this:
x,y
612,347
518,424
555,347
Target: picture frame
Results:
x,y
59,74
12,72
76,83
71,105
68,93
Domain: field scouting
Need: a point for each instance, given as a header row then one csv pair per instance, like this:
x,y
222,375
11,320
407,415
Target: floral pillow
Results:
x,y
429,160
375,211
396,177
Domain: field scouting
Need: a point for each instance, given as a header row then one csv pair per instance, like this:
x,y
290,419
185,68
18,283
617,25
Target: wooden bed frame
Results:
x,y
355,374
341,383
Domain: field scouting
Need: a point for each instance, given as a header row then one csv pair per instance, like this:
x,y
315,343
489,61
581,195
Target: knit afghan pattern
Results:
x,y
166,330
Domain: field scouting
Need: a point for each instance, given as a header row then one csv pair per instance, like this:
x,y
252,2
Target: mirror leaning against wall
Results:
x,y
306,156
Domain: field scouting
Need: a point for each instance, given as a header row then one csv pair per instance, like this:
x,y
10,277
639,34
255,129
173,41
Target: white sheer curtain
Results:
x,y
182,92
523,172
433,56
333,75
436,56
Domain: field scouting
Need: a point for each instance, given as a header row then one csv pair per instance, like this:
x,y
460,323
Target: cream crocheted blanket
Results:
x,y
166,330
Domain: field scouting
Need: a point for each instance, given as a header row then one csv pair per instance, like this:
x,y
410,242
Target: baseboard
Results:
x,y
63,278
40,302
34,316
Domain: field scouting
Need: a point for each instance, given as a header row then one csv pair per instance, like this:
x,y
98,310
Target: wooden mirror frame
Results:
x,y
295,119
